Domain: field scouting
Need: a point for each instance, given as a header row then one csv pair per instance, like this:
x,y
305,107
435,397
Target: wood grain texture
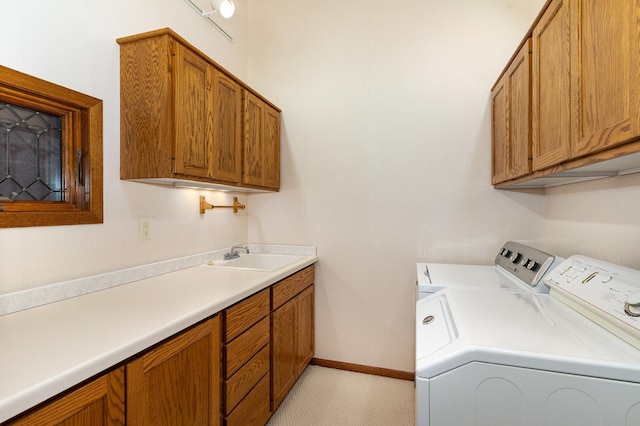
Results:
x,y
261,141
604,74
241,316
227,147
499,131
289,287
511,119
519,114
586,100
253,140
551,86
254,409
182,118
242,348
272,148
99,402
194,113
305,333
146,108
284,322
292,331
177,382
243,380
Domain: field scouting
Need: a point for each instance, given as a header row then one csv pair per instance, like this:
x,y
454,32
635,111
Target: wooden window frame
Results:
x,y
81,130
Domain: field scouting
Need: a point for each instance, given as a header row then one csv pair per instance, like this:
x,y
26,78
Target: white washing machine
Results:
x,y
516,267
570,357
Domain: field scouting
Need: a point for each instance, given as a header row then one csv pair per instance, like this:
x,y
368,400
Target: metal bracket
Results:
x,y
204,205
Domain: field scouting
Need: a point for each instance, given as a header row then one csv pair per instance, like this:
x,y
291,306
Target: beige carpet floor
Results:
x,y
329,397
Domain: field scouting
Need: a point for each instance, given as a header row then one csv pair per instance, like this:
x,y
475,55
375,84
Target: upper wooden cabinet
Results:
x,y
262,143
585,100
183,119
194,113
511,120
551,96
227,151
605,71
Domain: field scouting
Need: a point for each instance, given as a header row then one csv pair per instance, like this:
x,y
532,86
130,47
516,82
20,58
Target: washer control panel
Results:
x,y
526,263
606,293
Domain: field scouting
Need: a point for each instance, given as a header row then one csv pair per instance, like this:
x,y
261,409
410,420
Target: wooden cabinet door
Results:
x,y
511,122
261,162
283,351
519,113
193,115
178,382
147,140
551,119
305,330
604,74
499,131
292,341
100,402
271,148
227,137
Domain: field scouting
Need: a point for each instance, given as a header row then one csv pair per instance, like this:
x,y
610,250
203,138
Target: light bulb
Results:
x,y
225,8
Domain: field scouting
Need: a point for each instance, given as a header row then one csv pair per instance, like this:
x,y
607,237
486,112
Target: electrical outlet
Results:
x,y
144,229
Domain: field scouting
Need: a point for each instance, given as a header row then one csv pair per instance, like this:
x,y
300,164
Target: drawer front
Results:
x,y
254,409
245,346
246,378
290,286
243,315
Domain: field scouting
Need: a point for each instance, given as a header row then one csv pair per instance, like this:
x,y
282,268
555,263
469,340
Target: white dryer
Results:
x,y
516,267
492,357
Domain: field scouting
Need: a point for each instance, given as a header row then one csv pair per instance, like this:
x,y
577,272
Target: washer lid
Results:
x,y
521,329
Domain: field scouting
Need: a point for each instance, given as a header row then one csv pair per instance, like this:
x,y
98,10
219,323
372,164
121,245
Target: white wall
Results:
x,y
386,153
600,219
72,43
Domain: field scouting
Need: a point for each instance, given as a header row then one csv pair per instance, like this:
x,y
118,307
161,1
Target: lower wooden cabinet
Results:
x,y
246,352
234,368
292,332
254,408
177,382
99,402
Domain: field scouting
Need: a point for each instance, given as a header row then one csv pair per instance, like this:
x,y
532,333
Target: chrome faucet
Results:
x,y
233,254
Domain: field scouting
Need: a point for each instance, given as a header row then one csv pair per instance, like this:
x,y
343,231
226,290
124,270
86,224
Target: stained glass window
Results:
x,y
30,154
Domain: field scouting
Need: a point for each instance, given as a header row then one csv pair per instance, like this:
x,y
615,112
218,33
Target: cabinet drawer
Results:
x,y
246,378
290,286
246,346
254,409
243,315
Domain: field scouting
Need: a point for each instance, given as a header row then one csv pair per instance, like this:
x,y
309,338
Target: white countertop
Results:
x,y
50,348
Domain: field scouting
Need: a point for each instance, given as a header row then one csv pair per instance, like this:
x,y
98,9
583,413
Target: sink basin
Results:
x,y
259,262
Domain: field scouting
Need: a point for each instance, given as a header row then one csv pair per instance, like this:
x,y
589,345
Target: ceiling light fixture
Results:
x,y
224,8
